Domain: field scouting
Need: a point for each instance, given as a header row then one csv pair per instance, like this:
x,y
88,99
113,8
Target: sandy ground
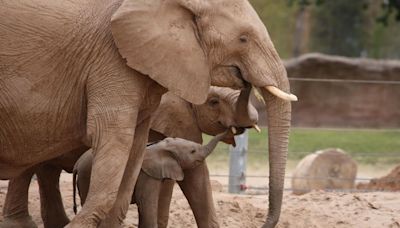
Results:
x,y
316,209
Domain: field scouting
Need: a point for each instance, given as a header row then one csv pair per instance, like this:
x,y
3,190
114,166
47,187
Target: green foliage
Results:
x,y
353,141
338,28
304,3
389,8
280,20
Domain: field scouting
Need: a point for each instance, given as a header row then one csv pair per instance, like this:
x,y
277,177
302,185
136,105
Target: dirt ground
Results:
x,y
390,182
316,209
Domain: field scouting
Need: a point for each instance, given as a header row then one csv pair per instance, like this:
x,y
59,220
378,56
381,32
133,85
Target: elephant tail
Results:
x,y
74,190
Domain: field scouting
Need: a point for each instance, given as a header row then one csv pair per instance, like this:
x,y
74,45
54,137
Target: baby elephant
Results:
x,y
163,160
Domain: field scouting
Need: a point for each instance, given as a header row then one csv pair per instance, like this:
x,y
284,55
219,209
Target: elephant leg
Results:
x,y
109,162
146,196
164,202
52,208
113,105
84,172
15,210
118,212
197,188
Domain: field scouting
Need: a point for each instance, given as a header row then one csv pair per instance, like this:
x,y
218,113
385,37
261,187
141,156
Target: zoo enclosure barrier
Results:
x,y
237,175
238,155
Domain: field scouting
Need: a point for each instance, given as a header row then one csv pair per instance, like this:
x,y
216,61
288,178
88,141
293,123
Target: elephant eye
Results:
x,y
193,151
243,39
213,102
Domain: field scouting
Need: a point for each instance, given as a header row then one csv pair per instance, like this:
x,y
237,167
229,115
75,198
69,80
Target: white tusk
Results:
x,y
258,95
257,128
233,129
279,93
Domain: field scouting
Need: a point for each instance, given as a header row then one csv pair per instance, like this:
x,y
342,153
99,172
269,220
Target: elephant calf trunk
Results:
x,y
213,143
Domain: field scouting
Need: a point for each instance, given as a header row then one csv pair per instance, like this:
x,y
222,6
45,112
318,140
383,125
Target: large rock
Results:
x,y
324,170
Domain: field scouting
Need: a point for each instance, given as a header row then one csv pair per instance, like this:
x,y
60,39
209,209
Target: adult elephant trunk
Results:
x,y
279,117
268,73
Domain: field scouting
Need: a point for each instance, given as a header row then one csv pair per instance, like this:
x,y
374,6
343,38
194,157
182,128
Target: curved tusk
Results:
x,y
233,129
257,128
279,93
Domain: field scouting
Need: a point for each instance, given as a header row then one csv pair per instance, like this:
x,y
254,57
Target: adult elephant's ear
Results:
x,y
159,163
160,38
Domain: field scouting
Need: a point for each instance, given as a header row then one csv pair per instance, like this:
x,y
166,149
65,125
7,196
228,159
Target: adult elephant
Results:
x,y
65,84
174,117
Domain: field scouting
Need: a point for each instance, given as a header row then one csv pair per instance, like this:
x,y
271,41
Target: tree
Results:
x,y
338,28
389,7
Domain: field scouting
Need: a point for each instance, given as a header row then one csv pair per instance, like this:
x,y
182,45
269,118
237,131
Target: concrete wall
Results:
x,y
343,104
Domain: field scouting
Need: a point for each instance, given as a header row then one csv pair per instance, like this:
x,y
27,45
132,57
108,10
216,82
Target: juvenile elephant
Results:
x,y
167,159
90,73
175,117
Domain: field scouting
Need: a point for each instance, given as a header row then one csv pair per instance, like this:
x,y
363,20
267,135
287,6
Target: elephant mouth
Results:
x,y
240,73
230,139
235,70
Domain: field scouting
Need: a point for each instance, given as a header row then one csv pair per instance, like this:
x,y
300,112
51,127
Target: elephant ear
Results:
x,y
160,39
172,118
160,164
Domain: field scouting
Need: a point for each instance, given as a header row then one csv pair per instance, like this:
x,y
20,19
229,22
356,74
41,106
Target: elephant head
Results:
x,y
178,118
224,108
220,111
169,157
186,45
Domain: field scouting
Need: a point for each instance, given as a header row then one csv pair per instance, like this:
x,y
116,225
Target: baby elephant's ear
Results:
x,y
158,163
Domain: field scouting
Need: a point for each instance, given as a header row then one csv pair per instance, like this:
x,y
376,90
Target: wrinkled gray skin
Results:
x,y
90,73
167,159
175,118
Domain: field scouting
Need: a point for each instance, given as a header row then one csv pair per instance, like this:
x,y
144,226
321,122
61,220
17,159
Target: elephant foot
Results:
x,y
79,224
22,222
270,224
82,220
59,223
110,223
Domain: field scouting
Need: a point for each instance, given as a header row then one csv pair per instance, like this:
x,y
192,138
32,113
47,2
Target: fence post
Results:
x,y
237,164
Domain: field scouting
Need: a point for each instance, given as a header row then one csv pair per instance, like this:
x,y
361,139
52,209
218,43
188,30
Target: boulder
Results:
x,y
324,170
